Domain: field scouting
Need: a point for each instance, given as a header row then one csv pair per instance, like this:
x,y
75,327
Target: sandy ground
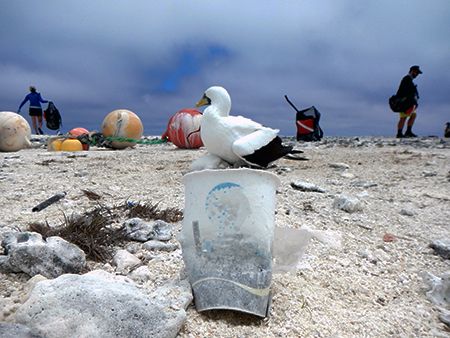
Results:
x,y
367,288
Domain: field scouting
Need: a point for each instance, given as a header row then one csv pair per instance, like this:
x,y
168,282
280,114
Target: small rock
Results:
x,y
406,212
162,231
125,261
427,173
158,245
346,174
438,288
133,247
441,247
347,203
342,166
81,174
138,230
141,275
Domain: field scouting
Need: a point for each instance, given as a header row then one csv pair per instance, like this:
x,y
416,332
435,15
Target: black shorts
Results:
x,y
35,111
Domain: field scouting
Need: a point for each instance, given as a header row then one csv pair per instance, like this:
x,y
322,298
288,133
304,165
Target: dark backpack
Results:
x,y
398,104
307,122
52,117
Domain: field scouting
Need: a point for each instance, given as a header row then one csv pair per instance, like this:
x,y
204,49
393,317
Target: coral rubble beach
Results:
x,y
371,286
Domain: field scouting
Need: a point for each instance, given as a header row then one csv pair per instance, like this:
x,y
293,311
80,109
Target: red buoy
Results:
x,y
183,129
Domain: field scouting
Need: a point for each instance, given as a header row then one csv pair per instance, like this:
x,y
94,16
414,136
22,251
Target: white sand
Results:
x,y
367,288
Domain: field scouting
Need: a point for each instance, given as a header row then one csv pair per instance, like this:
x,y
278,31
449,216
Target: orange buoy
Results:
x,y
183,129
75,132
122,123
71,144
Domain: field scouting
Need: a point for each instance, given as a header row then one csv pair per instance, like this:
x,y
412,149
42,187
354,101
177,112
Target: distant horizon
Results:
x,y
158,127
145,135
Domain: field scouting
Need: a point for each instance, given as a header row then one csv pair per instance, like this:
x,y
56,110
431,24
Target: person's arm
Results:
x,y
42,100
23,102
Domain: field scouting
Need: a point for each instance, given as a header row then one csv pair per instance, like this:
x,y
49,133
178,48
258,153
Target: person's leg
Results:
x,y
400,125
39,118
34,124
410,124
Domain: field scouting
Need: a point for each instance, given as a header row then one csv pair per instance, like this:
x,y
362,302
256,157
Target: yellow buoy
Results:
x,y
15,132
55,145
122,123
71,145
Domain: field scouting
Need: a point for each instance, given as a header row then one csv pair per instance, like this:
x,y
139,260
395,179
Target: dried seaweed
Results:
x,y
92,232
93,196
148,210
96,231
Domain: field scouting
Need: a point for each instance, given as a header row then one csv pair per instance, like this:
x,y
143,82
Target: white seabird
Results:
x,y
236,139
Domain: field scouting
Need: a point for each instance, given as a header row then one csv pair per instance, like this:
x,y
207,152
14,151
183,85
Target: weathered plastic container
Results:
x,y
227,237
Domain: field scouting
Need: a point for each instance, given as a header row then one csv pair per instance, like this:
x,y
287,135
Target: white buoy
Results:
x,y
15,132
122,123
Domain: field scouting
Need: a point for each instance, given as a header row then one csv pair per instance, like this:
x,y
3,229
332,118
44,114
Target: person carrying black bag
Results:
x,y
408,90
35,110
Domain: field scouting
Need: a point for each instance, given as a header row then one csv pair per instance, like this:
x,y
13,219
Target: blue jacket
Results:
x,y
35,100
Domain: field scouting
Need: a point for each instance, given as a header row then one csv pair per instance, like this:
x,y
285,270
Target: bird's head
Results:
x,y
218,97
204,101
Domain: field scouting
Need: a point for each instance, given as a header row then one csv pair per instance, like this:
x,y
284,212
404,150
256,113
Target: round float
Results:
x,y
75,132
183,129
71,144
55,144
122,123
15,132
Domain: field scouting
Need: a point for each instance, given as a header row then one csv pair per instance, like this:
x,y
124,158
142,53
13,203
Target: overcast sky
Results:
x,y
346,57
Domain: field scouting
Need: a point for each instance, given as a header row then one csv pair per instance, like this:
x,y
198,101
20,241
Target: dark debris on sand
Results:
x,y
99,230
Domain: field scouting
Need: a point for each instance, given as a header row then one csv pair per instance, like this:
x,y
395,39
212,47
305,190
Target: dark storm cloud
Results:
x,y
344,57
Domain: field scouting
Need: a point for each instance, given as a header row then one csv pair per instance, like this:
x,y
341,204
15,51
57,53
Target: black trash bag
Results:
x,y
52,117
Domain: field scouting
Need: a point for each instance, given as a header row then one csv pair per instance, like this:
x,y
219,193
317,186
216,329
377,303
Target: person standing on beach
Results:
x,y
35,110
408,90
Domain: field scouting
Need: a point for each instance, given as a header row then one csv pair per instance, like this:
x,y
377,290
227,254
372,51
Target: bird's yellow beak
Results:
x,y
204,101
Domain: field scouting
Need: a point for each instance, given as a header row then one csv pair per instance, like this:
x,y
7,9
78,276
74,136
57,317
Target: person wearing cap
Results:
x,y
408,90
35,110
